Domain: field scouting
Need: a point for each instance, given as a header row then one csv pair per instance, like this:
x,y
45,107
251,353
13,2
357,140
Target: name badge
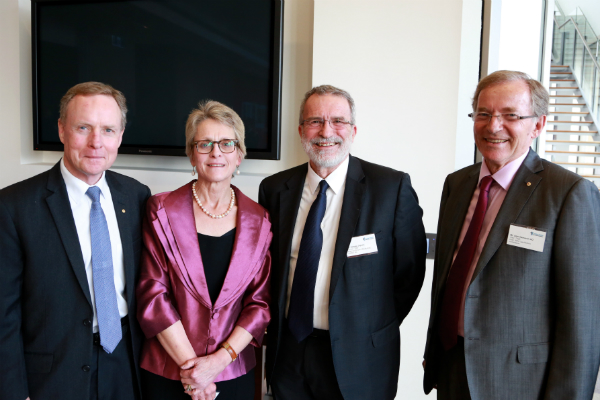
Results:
x,y
362,246
526,237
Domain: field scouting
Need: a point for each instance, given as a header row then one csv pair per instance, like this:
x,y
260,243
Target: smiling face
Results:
x,y
326,147
215,166
91,134
499,141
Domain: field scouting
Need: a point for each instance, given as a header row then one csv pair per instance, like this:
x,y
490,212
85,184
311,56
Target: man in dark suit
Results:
x,y
515,302
348,261
69,251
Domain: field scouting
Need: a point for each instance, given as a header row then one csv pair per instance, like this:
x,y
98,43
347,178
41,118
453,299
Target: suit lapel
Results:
x,y
455,212
60,208
523,185
181,223
289,203
351,205
252,232
122,205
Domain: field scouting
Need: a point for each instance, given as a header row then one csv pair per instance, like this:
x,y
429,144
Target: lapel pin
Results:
x,y
123,210
528,184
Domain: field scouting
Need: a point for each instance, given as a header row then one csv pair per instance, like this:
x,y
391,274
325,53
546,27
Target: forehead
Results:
x,y
512,95
213,130
326,105
94,109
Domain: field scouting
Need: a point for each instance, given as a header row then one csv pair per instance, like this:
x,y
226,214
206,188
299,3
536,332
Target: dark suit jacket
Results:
x,y
532,319
45,305
369,295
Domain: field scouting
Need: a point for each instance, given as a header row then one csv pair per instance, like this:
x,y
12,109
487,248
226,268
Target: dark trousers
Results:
x,y
304,371
113,375
452,378
156,387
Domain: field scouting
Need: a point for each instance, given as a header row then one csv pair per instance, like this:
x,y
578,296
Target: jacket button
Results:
x,y
85,368
87,322
211,341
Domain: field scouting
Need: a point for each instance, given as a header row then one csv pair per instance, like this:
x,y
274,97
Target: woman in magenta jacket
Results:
x,y
203,293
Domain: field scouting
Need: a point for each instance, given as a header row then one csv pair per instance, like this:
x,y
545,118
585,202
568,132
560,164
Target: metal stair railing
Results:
x,y
571,48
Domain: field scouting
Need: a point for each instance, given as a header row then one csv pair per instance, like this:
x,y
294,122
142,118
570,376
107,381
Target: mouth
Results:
x,y
495,141
325,144
215,165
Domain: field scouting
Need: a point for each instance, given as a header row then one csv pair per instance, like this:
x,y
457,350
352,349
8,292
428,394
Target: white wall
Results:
x,y
411,69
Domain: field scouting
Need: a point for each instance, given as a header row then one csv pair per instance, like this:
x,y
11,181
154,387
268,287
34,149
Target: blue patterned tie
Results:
x,y
109,322
302,299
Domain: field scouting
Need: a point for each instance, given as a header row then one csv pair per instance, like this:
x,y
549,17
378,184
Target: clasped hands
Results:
x,y
200,372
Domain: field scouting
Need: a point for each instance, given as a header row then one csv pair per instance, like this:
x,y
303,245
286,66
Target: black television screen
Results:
x,y
165,56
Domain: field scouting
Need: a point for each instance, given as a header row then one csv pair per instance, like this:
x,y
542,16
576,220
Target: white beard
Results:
x,y
320,158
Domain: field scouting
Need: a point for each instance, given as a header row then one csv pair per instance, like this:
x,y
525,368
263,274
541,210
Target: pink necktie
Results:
x,y
456,285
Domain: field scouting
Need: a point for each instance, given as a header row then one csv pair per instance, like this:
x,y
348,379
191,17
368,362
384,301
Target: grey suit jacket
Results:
x,y
45,304
532,319
369,296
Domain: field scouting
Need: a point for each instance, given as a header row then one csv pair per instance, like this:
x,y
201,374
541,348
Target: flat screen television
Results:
x,y
165,56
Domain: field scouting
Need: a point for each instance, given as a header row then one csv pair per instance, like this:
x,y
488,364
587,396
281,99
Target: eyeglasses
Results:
x,y
482,117
206,146
318,123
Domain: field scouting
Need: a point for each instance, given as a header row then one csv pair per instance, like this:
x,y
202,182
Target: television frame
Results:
x,y
274,136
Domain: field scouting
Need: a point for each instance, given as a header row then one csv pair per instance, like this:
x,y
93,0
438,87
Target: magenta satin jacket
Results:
x,y
172,285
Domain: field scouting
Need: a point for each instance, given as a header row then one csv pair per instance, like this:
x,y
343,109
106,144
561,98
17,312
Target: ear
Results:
x,y
300,131
61,131
121,137
353,132
539,127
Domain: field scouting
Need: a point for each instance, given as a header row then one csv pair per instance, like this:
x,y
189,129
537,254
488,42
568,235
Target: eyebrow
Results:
x,y
503,110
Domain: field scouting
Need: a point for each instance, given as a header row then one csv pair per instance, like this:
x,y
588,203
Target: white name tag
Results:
x,y
526,237
362,246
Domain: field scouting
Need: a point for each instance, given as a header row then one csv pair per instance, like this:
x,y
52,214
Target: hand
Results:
x,y
209,393
200,372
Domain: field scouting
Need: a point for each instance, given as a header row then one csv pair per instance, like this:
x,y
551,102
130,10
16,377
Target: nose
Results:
x,y
216,150
495,123
95,138
327,130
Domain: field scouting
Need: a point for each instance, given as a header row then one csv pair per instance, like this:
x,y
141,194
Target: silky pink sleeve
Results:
x,y
155,309
255,315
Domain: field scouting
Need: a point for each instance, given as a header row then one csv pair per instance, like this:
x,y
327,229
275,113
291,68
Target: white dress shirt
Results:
x,y
81,205
331,221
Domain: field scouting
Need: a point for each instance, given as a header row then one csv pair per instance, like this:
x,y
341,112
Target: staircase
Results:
x,y
572,139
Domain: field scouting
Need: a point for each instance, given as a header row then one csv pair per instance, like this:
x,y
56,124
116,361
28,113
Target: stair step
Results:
x,y
577,163
568,104
591,176
578,142
559,66
568,112
572,132
560,72
564,88
573,152
562,80
570,122
565,95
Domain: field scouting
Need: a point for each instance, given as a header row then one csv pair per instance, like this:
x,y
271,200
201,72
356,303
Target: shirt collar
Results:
x,y
505,175
77,188
335,180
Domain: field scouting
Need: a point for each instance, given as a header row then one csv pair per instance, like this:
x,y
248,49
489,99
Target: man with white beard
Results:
x,y
348,261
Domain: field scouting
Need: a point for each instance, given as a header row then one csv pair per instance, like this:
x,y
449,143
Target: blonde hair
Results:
x,y
210,109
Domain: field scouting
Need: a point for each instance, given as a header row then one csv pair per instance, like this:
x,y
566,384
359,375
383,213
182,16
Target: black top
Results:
x,y
216,253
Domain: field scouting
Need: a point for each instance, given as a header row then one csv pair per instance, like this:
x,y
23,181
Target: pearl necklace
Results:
x,y
226,213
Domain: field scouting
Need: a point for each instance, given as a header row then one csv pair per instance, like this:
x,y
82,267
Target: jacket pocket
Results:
x,y
386,334
38,363
533,353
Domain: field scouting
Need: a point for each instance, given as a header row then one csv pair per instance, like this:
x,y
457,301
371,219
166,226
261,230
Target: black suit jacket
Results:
x,y
45,305
370,295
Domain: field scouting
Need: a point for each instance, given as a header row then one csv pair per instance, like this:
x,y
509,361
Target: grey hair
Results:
x,y
332,90
539,94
